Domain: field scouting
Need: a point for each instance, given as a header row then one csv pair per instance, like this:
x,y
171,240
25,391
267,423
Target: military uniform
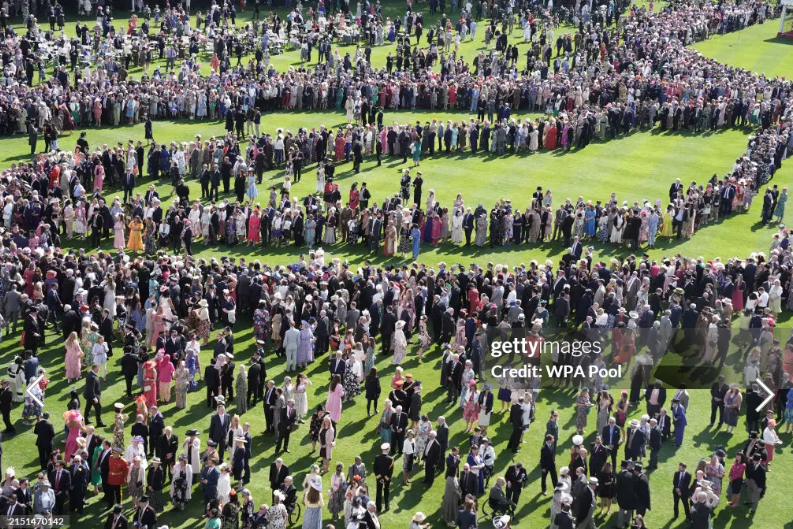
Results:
x,y
383,470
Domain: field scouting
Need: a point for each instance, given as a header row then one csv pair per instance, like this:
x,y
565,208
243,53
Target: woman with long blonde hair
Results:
x,y
73,358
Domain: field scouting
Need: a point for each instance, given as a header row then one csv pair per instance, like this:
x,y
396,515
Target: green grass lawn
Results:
x,y
639,166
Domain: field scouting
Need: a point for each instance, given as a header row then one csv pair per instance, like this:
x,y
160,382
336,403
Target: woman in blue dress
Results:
x,y
475,462
415,238
252,192
589,221
428,228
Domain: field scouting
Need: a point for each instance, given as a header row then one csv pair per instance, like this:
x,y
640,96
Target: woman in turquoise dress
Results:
x,y
385,423
417,152
589,221
339,98
779,211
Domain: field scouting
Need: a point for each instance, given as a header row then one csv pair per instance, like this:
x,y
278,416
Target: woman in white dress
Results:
x,y
534,139
110,296
617,227
457,227
224,484
320,179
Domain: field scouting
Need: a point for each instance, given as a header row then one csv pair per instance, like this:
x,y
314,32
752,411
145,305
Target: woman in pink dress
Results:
x,y
73,358
384,140
99,177
436,229
150,382
253,227
160,323
333,404
74,422
165,370
118,233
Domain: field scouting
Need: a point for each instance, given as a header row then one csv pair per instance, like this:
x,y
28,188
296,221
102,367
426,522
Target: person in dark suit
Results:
x,y
399,423
6,402
167,446
718,390
755,482
145,515
278,473
61,482
116,519
626,494
634,442
442,431
387,328
674,189
468,225
219,426
681,484
469,481
212,379
516,476
156,429
12,507
270,396
103,462
548,462
610,435
598,455
454,379
93,395
80,478
129,368
656,440
285,425
516,420
383,469
338,366
45,434
432,457
655,397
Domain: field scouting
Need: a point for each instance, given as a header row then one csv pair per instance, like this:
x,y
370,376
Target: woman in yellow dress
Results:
x,y
135,242
666,226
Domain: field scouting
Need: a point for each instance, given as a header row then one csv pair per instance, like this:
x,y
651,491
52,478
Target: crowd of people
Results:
x,y
155,313
604,87
167,307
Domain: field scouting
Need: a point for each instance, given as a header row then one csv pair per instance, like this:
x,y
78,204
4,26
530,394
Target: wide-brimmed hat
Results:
x,y
419,517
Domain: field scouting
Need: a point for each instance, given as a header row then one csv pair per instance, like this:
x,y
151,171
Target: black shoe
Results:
x,y
287,451
101,425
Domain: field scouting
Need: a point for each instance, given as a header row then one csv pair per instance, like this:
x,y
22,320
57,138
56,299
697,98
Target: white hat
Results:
x,y
385,446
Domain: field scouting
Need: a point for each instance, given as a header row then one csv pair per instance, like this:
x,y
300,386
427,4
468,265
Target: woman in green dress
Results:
x,y
96,474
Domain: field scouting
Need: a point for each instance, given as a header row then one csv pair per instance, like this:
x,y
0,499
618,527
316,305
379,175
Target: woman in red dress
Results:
x,y
253,227
354,196
339,146
550,136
